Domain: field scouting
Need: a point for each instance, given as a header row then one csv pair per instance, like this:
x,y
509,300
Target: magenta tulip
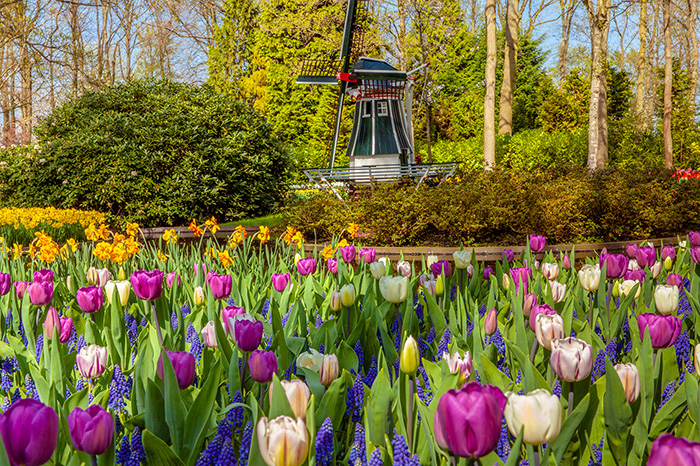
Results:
x,y
468,421
631,250
90,299
675,279
228,313
332,265
668,450
695,255
91,430
170,279
280,281
198,265
440,267
521,274
508,255
5,283
668,252
368,255
663,329
66,326
43,276
29,431
147,285
646,256
248,334
306,266
488,271
637,275
616,265
566,262
40,293
20,289
220,284
262,365
694,238
537,310
347,253
184,366
537,242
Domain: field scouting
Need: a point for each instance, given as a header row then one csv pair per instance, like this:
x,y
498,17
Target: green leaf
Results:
x,y
174,407
155,411
200,413
158,453
617,413
378,409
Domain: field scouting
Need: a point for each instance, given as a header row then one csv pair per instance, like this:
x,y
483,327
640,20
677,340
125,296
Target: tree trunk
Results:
x,y
668,83
505,125
26,94
567,15
642,68
490,94
693,14
599,21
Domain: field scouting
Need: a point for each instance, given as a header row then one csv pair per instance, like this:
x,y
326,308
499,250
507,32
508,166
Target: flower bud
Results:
x,y
696,358
297,393
668,263
548,327
404,268
91,430
336,301
347,295
123,290
173,278
626,288
378,269
410,356
394,289
121,275
528,303
461,365
491,322
183,364
538,414
429,287
571,359
655,269
462,258
20,289
430,260
198,296
488,271
283,441
439,285
666,298
91,361
506,281
470,271
92,277
68,281
209,335
280,281
589,277
262,365
329,369
566,262
558,291
629,376
332,264
550,270
103,276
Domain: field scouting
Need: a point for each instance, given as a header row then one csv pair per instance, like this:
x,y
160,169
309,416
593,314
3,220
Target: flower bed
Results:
x,y
20,225
245,352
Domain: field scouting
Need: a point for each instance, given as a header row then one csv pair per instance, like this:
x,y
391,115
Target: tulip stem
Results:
x,y
410,413
533,351
245,363
398,315
571,400
156,323
93,458
536,456
590,296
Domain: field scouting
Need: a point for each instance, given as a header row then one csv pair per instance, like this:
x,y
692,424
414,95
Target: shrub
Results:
x,y
156,153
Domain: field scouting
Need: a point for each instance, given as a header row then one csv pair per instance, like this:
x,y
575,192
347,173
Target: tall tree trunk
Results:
x,y
642,68
693,14
490,94
567,15
505,125
26,94
668,83
599,21
401,4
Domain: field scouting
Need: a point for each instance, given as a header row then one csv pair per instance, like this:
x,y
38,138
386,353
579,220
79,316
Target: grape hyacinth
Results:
x,y
358,456
371,373
375,459
360,354
39,346
246,440
324,444
402,457
138,454
119,388
444,342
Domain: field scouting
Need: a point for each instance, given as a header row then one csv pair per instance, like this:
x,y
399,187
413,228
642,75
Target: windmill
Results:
x,y
381,133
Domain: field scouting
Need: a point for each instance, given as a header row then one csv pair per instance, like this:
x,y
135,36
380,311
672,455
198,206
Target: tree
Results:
x,y
490,94
505,125
668,85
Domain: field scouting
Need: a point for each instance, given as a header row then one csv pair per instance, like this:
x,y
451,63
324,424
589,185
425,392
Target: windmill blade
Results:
x,y
360,25
319,71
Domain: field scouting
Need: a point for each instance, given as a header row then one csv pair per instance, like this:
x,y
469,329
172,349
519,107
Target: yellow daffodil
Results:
x,y
264,234
352,229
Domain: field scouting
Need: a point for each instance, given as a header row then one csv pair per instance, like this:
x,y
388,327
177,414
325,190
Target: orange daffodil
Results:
x,y
196,229
213,225
352,229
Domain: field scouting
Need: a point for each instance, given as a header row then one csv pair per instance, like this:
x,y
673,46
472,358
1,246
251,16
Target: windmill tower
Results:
x,y
382,95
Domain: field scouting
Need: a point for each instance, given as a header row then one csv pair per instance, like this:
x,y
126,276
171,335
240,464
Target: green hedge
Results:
x,y
503,206
159,153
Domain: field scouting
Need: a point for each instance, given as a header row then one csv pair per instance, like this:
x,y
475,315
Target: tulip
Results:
x,y
468,421
666,298
668,252
43,276
470,271
459,365
404,268
280,281
29,431
220,285
537,310
103,276
696,358
66,327
297,258
629,376
694,238
695,255
549,327
462,258
529,301
571,359
668,450
537,242
394,289
336,301
491,322
92,277
430,260
283,441
668,263
20,289
91,430
439,286
332,264
410,356
248,332
91,361
68,281
306,266
347,253
538,414
506,281
197,267
430,287
616,265
589,277
558,291
550,270
521,275
121,275
566,262
227,316
656,269
262,365
312,360
631,250
90,299
627,286
5,283
663,330
147,285
209,335
298,394
488,271
508,255
635,275
378,269
198,296
347,295
52,321
183,364
682,245
40,293
123,288
368,255
170,279
646,256
675,279
440,267
329,369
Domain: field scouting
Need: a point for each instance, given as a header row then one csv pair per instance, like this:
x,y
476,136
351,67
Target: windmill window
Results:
x,y
382,109
367,109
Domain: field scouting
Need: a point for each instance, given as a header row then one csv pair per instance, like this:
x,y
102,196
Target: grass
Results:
x,y
267,220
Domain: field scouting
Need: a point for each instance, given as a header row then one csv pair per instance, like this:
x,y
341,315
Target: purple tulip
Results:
x,y
566,262
197,267
227,313
668,450
663,329
147,285
468,421
368,255
20,289
332,265
220,284
29,431
694,238
262,365
280,281
668,252
91,430
637,275
675,279
306,266
616,265
631,250
248,334
695,254
90,298
43,275
66,325
170,279
537,242
5,283
521,274
439,267
40,293
537,310
183,364
646,256
488,271
508,255
347,253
